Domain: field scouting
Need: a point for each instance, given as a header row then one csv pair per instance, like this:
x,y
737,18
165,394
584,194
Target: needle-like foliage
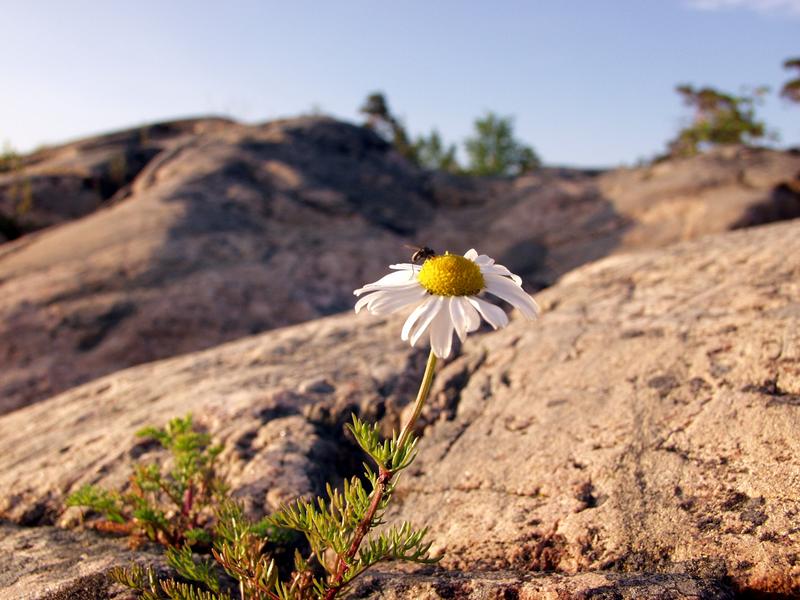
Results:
x,y
339,529
719,118
171,506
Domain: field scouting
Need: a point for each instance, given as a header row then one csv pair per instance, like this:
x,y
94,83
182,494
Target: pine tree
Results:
x,y
719,118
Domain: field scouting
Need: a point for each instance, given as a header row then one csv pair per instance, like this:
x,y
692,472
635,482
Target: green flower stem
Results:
x,y
384,479
422,395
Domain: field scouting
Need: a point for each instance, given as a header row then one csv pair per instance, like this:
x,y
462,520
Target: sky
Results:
x,y
588,82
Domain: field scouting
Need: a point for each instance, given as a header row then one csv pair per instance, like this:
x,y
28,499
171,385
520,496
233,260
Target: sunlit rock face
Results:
x,y
175,237
641,433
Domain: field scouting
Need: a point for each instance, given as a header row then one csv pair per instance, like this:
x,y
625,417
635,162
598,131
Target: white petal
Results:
x,y
414,316
405,267
471,254
484,260
398,278
392,301
501,270
472,316
511,293
458,317
494,315
364,300
442,333
434,308
377,298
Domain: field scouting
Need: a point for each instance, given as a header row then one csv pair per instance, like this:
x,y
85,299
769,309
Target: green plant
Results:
x,y
170,506
791,89
118,169
493,149
239,553
719,118
431,153
337,529
346,533
382,121
9,159
20,191
144,135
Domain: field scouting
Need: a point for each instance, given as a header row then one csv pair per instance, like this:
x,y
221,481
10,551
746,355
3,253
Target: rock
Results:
x,y
234,217
645,425
283,435
681,199
46,563
475,585
220,230
58,184
648,423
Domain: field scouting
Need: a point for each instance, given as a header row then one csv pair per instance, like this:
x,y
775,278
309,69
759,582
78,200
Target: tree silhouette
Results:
x,y
492,150
384,123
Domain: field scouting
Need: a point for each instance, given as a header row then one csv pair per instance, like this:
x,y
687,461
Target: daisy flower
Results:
x,y
446,289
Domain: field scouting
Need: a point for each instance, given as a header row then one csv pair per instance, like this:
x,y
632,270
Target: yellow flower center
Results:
x,y
451,275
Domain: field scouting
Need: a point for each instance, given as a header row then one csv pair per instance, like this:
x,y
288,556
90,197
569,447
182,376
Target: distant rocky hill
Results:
x,y
57,184
177,237
638,441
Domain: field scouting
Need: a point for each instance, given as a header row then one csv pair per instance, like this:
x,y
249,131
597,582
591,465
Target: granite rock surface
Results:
x,y
645,425
181,236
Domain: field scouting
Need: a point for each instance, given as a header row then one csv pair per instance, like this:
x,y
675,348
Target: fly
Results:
x,y
421,254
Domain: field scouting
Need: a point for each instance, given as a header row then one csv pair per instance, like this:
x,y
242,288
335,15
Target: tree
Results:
x,y
791,89
384,123
377,111
719,118
493,150
432,154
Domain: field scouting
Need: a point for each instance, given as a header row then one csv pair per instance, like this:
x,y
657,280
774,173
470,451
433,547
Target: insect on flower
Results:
x,y
421,254
447,290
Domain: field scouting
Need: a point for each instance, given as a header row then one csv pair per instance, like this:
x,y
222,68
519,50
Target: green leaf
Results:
x,y
231,523
183,591
137,578
387,454
107,503
369,439
265,529
397,543
202,571
201,536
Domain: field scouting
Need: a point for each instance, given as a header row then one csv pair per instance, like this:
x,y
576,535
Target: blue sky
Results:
x,y
589,82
